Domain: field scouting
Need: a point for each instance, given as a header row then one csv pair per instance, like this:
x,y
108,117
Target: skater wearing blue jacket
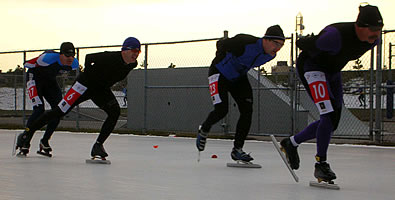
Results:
x,y
228,74
319,67
41,83
102,70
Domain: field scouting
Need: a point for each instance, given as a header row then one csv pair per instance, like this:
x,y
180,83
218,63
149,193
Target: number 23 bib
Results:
x,y
319,91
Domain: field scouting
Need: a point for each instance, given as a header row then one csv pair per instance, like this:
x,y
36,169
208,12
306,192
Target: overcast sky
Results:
x,y
41,24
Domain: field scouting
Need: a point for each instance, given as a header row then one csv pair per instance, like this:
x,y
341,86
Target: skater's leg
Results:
x,y
242,93
219,94
330,121
37,112
306,134
53,96
219,112
113,111
220,102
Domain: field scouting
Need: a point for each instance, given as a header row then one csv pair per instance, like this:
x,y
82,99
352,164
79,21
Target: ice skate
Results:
x,y
324,176
44,148
201,139
283,157
291,152
98,154
242,159
22,143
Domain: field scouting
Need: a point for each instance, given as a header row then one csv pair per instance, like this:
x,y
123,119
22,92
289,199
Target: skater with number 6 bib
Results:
x,y
102,70
228,74
319,67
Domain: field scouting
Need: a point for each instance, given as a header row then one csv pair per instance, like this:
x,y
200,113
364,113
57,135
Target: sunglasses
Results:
x,y
277,44
375,28
133,50
69,54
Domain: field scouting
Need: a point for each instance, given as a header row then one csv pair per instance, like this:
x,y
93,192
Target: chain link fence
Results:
x,y
168,93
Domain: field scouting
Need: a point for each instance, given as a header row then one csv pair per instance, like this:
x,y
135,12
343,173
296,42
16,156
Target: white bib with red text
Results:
x,y
213,85
32,91
72,95
319,91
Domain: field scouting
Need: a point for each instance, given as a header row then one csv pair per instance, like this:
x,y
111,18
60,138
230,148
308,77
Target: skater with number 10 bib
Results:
x,y
102,70
228,74
319,67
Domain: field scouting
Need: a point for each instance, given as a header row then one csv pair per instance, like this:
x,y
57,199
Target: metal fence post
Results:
x,y
24,90
292,89
225,121
378,92
145,87
371,85
77,121
389,62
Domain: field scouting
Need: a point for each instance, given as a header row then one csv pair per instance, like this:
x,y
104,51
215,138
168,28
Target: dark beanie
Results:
x,y
274,32
369,16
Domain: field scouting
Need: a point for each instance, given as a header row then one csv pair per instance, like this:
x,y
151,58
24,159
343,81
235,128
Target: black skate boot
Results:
x,y
240,155
98,151
23,144
201,139
291,153
44,148
324,173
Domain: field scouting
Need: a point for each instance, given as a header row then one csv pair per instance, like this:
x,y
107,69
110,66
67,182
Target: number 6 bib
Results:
x,y
72,95
319,91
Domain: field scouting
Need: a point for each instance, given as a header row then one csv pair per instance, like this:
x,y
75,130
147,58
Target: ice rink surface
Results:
x,y
159,168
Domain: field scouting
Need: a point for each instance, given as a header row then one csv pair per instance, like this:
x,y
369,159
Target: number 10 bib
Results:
x,y
319,91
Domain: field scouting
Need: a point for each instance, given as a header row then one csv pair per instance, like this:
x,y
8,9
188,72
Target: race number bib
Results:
x,y
72,95
32,91
213,85
319,91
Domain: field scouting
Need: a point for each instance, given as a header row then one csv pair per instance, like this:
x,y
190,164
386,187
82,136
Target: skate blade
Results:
x,y
97,161
323,184
21,155
283,157
44,154
14,145
242,164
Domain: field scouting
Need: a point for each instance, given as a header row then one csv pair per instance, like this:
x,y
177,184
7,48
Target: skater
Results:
x,y
102,70
322,58
125,96
361,97
41,83
228,73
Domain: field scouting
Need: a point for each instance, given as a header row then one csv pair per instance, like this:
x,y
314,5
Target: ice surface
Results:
x,y
167,168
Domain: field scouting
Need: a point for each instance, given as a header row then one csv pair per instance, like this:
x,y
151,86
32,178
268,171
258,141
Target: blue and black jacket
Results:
x,y
237,55
47,66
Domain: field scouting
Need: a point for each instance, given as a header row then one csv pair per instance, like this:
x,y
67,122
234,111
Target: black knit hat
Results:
x,y
369,16
67,48
274,32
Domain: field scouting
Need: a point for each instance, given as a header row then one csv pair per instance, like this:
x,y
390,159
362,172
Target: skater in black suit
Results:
x,y
102,70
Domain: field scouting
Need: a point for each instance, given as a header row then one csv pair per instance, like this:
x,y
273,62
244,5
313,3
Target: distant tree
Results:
x,y
171,65
357,64
263,71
